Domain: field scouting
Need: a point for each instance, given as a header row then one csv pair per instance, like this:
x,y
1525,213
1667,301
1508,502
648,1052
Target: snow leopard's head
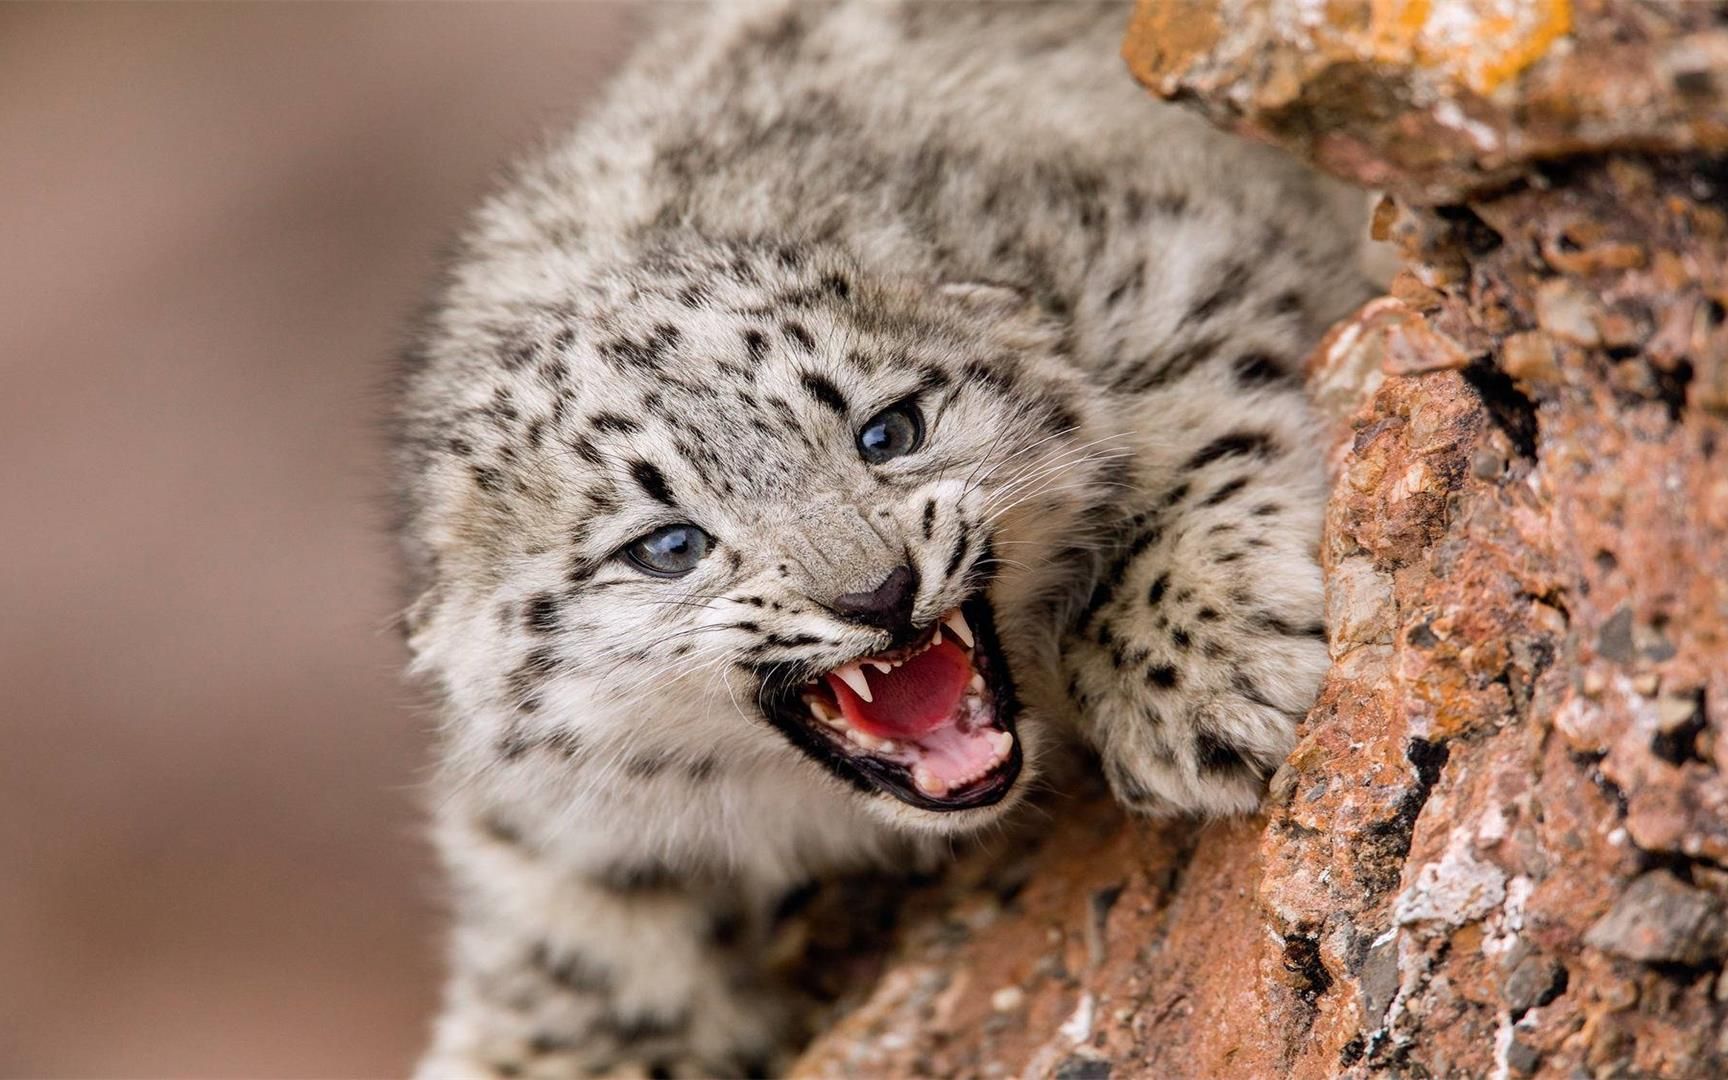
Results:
x,y
742,510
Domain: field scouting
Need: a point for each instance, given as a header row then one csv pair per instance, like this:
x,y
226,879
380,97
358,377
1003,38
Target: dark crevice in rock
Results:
x,y
1562,978
1508,407
1429,758
1386,844
1351,1052
1522,999
1083,1068
1308,974
1469,230
1671,387
1679,745
1589,762
1675,863
1556,598
1391,1048
1687,974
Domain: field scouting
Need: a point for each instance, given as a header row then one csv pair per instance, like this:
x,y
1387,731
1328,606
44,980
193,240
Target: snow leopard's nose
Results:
x,y
886,607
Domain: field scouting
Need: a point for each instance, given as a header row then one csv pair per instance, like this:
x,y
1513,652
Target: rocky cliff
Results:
x,y
1501,847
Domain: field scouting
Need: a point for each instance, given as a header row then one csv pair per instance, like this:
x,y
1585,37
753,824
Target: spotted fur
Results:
x,y
784,218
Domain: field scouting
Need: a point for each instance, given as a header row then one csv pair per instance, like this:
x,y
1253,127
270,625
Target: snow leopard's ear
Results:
x,y
415,620
987,297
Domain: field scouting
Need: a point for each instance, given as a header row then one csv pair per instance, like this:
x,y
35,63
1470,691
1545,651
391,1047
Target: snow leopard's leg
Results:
x,y
626,972
1203,643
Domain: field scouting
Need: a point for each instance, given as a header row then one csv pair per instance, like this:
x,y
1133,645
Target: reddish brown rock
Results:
x,y
1501,846
1440,98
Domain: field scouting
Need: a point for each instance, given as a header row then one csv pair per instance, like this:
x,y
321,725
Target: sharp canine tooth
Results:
x,y
977,682
853,675
1001,742
957,623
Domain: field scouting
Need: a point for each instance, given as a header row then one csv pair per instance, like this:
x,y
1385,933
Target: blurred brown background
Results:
x,y
213,221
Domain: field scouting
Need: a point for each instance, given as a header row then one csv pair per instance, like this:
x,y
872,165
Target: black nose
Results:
x,y
887,607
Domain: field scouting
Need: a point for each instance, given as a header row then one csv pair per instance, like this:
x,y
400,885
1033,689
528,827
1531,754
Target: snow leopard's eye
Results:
x,y
894,432
669,551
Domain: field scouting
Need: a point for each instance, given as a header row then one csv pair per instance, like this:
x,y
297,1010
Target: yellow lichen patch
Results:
x,y
1486,42
1553,22
1478,43
1166,37
1395,28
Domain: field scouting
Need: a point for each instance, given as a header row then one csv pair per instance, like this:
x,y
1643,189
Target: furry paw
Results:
x,y
1214,757
1201,736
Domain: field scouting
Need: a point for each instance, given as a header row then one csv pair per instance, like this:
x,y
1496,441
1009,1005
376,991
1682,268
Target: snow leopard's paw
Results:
x,y
1203,645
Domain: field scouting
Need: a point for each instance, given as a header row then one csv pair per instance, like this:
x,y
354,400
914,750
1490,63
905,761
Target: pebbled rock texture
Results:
x,y
1439,98
1501,846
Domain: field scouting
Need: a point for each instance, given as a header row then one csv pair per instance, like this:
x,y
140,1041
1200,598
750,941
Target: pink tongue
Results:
x,y
912,700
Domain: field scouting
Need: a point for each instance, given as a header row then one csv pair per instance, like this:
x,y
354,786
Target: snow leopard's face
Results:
x,y
748,510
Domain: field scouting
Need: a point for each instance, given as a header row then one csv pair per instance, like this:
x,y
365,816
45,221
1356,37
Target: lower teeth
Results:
x,y
928,782
870,742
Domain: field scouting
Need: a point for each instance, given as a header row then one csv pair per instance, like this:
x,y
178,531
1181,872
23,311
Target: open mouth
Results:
x,y
931,723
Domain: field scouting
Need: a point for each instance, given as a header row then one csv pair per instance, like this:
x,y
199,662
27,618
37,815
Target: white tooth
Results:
x,y
927,781
853,675
1001,742
871,742
884,666
977,683
957,623
819,707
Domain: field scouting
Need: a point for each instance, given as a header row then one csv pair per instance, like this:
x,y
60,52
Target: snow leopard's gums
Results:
x,y
829,324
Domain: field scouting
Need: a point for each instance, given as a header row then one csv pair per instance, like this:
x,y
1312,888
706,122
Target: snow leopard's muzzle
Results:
x,y
931,723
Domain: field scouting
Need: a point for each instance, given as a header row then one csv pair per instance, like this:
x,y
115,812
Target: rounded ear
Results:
x,y
416,619
986,297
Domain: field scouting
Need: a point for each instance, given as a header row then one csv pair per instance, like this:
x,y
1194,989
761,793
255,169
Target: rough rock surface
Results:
x,y
1435,98
1501,847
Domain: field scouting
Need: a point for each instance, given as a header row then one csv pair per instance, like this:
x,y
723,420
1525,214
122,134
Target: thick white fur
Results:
x,y
1016,225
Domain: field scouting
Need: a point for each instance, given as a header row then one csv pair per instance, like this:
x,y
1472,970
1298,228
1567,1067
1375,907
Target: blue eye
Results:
x,y
894,432
669,551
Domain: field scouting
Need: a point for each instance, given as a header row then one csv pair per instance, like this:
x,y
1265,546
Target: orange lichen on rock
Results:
x,y
1479,43
1437,99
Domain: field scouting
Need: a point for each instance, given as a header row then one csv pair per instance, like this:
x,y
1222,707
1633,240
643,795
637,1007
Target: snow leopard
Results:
x,y
867,408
